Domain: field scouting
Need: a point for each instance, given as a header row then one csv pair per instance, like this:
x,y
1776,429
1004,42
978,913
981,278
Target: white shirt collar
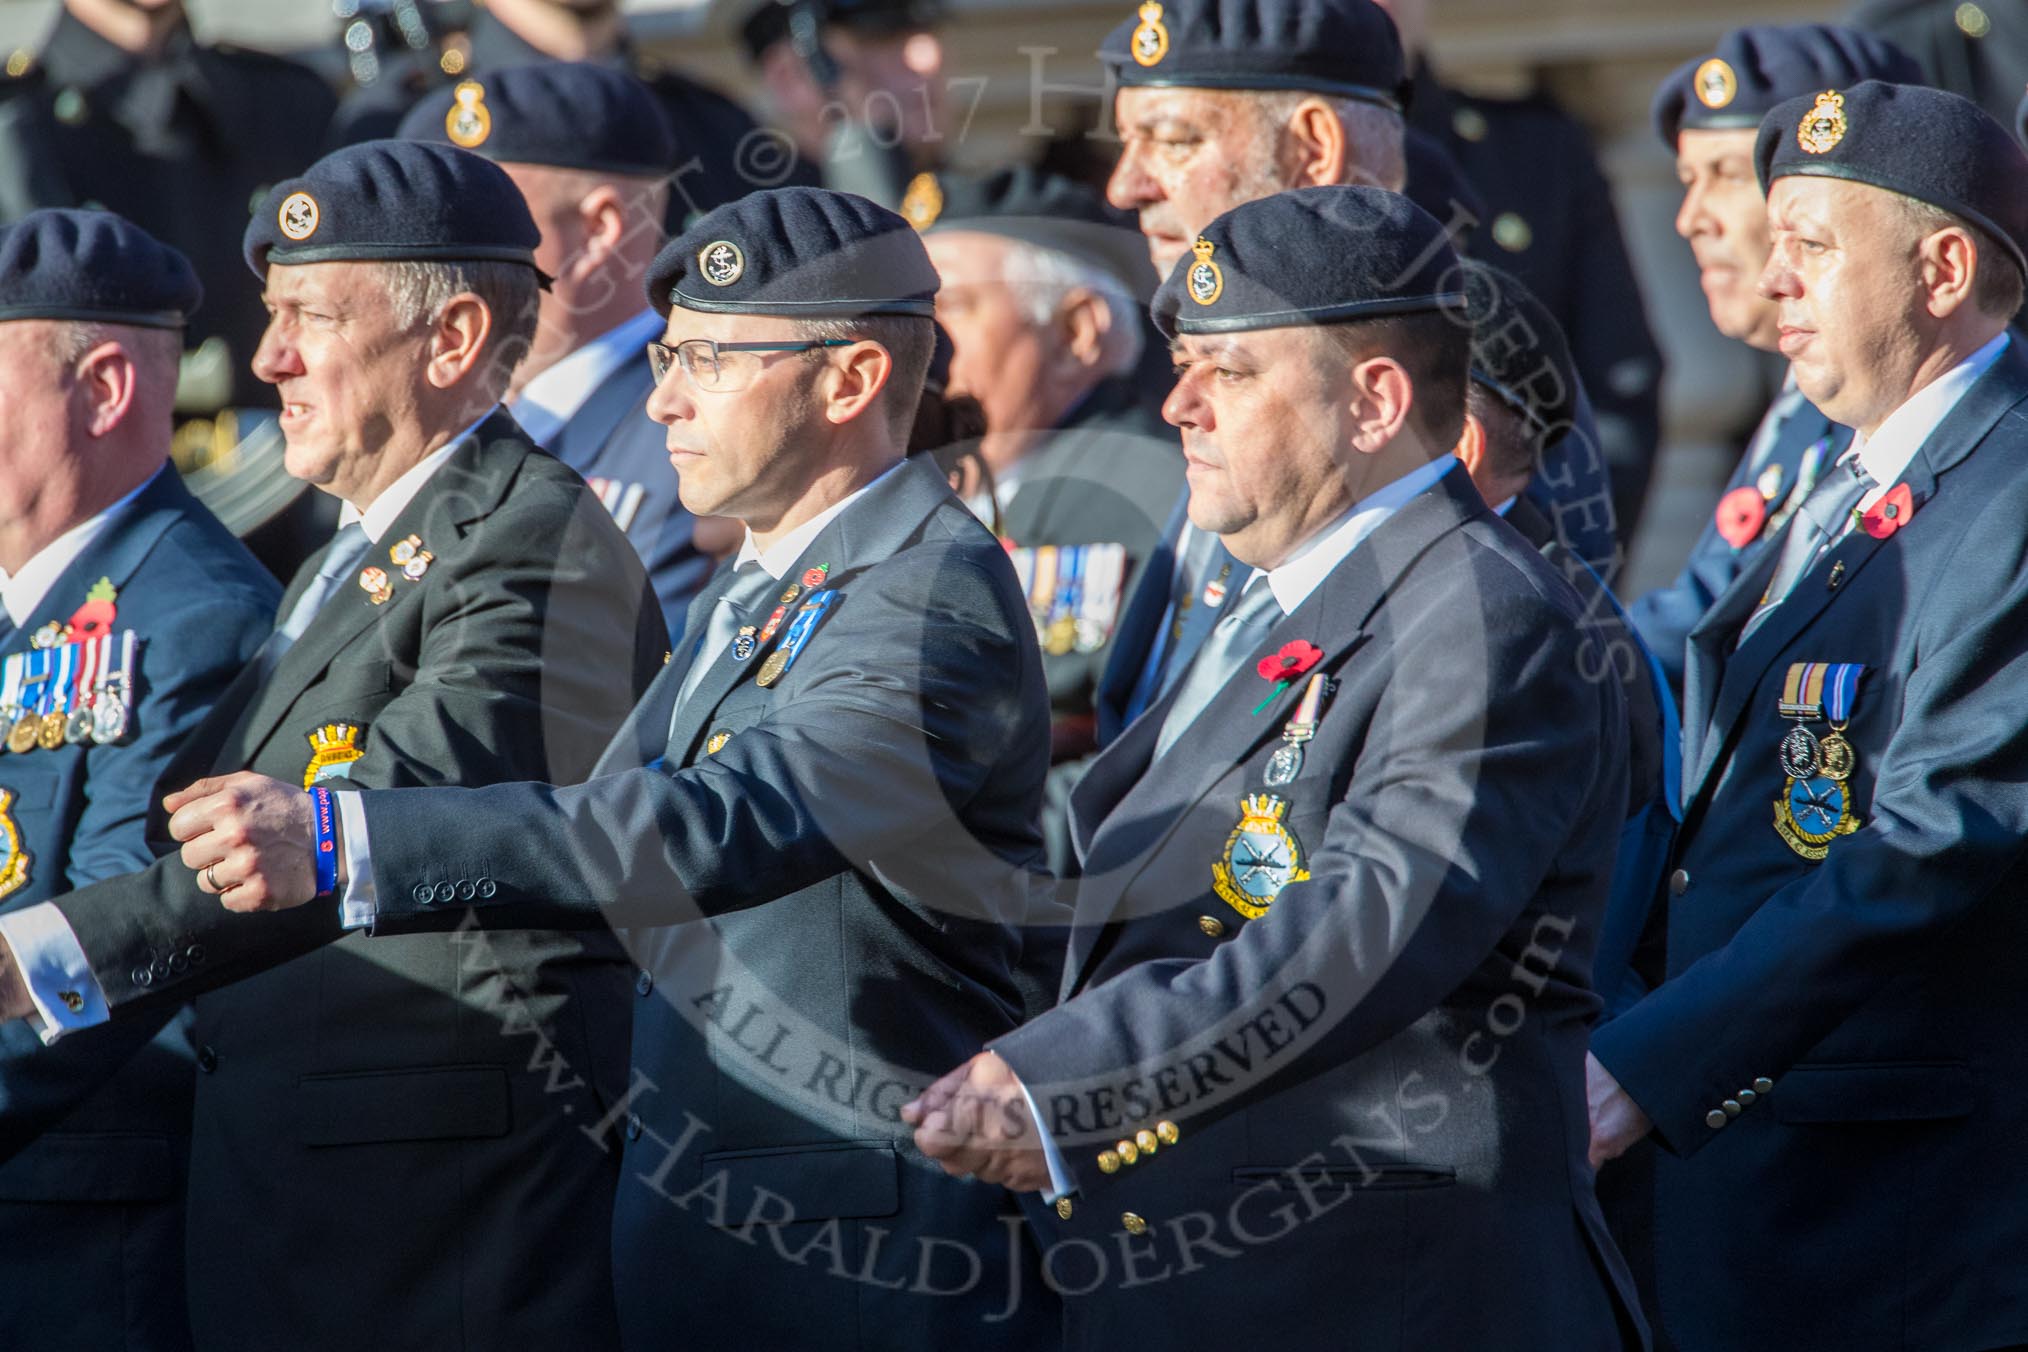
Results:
x,y
381,514
781,556
22,592
551,399
1886,454
1303,572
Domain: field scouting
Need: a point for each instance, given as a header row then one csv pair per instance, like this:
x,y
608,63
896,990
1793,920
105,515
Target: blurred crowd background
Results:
x,y
981,83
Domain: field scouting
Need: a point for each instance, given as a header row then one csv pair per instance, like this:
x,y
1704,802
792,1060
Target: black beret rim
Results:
x,y
655,171
804,309
84,314
396,253
1322,314
1852,174
1261,83
1744,120
1509,397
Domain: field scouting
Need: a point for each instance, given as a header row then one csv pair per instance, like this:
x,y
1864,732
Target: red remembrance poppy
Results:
x,y
1741,514
1889,514
1290,662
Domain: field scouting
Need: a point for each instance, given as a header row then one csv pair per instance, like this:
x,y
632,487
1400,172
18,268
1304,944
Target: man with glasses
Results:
x,y
820,820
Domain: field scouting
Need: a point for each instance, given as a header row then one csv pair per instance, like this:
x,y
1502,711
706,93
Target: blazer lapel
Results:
x,y
464,490
115,555
584,434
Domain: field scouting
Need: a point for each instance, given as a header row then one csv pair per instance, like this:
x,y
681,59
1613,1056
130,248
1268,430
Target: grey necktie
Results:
x,y
1818,524
750,583
348,546
1236,637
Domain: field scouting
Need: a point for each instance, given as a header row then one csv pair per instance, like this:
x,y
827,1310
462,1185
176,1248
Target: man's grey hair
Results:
x,y
1042,278
417,293
1373,136
145,344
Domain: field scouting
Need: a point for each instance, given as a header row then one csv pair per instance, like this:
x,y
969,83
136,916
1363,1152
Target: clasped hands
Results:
x,y
250,839
975,1121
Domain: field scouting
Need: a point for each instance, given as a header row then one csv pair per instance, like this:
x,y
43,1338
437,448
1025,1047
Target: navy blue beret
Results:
x,y
1519,351
1035,207
1439,186
393,201
93,266
800,253
1312,256
1344,47
1934,146
1760,65
567,114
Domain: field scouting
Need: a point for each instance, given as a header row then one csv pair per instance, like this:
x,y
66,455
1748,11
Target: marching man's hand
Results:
x,y
250,839
975,1121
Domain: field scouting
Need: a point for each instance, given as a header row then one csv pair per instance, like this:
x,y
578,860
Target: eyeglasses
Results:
x,y
724,367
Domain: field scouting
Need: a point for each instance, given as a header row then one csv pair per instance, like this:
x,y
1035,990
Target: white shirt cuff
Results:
x,y
53,966
359,902
1061,1184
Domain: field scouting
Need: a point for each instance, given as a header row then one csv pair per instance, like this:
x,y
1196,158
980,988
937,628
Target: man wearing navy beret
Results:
x,y
817,829
375,1115
1708,113
1833,1068
126,610
1316,1074
590,150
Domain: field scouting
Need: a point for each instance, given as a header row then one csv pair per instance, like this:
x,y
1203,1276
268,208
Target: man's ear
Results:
x,y
1471,447
854,383
458,340
105,383
1081,324
1382,395
1950,262
1316,145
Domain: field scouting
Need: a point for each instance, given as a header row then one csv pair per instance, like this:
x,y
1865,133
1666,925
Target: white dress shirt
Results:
x,y
551,399
356,908
52,962
22,592
1293,581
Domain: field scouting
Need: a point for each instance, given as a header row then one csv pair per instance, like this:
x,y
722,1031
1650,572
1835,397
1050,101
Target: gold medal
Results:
x,y
49,736
1837,757
772,669
22,737
1062,636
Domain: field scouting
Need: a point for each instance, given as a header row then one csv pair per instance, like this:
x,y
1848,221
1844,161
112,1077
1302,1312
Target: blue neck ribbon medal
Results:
x,y
1816,804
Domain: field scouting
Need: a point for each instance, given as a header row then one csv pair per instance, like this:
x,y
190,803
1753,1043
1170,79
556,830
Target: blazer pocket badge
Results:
x,y
1262,856
14,868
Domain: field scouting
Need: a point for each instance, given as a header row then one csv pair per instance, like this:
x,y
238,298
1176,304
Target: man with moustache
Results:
x,y
397,1125
588,146
1708,113
1273,1107
1833,1068
818,826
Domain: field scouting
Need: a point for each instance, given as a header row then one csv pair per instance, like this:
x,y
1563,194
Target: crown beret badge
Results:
x,y
469,122
1207,282
1715,83
1151,38
1824,125
298,215
923,202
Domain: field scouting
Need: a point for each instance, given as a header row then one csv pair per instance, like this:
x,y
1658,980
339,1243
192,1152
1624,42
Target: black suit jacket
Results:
x,y
1366,1105
397,1120
1835,1052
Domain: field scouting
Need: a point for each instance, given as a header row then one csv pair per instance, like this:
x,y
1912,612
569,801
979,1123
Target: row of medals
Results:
x,y
103,721
1805,756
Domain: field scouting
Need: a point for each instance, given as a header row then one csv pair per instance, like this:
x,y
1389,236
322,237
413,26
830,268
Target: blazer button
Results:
x,y
1763,1085
1679,883
195,953
467,891
1715,1119
1108,1162
1732,1107
1063,1208
1168,1132
633,1126
1146,1141
1134,1224
645,983
141,976
1211,925
1746,1098
160,967
424,894
486,889
178,963
1127,1151
207,1060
